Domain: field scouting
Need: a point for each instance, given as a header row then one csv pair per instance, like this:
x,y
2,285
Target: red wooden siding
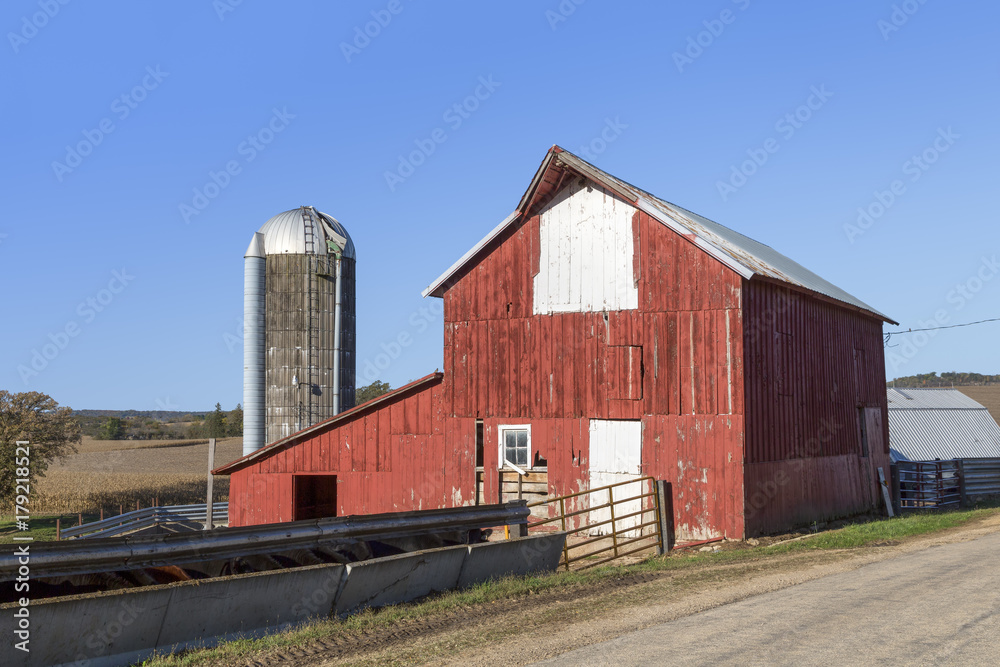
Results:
x,y
675,363
748,392
702,457
400,456
810,366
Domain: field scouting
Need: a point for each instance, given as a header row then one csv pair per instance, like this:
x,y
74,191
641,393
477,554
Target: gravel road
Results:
x,y
937,606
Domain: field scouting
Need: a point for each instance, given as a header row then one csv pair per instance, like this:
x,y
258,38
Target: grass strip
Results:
x,y
852,536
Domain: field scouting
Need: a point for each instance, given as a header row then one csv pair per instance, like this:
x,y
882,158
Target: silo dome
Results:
x,y
287,233
299,325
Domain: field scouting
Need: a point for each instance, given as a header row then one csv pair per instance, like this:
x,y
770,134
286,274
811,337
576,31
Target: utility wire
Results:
x,y
890,334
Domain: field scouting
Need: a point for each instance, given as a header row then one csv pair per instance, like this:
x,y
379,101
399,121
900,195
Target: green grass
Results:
x,y
850,537
884,530
40,527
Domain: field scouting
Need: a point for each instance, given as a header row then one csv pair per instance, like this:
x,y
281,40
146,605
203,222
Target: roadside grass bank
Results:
x,y
691,567
40,528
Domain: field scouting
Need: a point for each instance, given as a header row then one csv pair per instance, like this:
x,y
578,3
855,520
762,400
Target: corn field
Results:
x,y
114,475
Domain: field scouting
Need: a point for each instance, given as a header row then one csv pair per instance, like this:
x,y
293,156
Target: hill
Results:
x,y
167,416
950,379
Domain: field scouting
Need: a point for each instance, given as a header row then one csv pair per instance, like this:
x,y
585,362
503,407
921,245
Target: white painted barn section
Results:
x,y
615,456
586,253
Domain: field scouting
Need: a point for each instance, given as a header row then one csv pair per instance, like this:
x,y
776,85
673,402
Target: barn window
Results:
x,y
515,445
315,496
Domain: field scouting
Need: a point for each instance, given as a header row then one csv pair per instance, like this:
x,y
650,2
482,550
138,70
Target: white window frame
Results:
x,y
502,430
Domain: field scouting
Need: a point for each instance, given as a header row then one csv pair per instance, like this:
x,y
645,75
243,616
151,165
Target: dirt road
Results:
x,y
555,623
936,606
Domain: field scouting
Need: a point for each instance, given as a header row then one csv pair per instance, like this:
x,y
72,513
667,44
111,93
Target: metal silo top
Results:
x,y
285,233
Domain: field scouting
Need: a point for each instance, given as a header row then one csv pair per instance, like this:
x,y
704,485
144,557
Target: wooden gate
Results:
x,y
607,522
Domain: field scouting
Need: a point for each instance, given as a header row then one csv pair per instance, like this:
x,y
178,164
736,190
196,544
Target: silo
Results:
x,y
306,371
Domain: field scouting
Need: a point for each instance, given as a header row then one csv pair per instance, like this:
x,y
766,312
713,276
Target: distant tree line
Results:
x,y
169,425
930,380
215,424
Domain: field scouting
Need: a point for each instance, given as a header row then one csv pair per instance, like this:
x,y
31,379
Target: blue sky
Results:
x,y
122,239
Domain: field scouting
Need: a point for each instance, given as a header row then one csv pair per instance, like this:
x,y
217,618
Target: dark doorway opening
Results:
x,y
315,496
479,443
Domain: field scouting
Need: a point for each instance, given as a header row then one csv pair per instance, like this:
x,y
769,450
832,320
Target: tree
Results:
x,y
368,392
51,432
111,429
215,423
234,422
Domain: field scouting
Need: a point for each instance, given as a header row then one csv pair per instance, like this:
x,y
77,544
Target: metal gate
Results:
x,y
927,485
608,522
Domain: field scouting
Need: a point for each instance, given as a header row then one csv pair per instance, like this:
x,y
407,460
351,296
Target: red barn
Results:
x,y
597,334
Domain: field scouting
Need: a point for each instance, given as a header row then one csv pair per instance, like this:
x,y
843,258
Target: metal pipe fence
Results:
x,y
148,517
929,485
612,521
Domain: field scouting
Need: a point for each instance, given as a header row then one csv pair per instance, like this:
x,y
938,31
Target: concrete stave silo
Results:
x,y
299,360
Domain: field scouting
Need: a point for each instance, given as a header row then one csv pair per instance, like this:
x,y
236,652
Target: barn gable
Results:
x,y
745,256
586,252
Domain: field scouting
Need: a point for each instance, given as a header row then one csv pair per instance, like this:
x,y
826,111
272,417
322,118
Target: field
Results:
x,y
987,395
113,474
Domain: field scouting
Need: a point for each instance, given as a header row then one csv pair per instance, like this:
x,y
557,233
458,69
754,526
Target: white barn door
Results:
x,y
615,456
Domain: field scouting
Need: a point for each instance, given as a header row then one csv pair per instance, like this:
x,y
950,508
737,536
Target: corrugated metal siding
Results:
x,y
796,492
810,365
981,477
925,435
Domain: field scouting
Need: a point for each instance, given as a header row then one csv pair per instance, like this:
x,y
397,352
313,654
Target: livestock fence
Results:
x,y
929,485
609,522
189,517
980,478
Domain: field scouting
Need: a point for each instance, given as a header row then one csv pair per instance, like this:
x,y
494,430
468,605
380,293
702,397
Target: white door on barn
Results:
x,y
615,456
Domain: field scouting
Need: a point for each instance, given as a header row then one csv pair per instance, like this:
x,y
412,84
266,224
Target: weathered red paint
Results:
x,y
748,392
389,457
814,364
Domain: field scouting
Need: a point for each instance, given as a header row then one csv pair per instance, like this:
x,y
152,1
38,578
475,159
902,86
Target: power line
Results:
x,y
890,334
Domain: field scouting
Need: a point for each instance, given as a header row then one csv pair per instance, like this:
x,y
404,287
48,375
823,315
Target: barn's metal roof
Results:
x,y
286,233
928,424
744,255
920,399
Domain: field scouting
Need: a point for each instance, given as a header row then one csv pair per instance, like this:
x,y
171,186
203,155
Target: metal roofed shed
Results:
x,y
928,424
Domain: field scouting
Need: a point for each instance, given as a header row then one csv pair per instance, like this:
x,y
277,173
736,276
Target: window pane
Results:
x,y
515,448
510,444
